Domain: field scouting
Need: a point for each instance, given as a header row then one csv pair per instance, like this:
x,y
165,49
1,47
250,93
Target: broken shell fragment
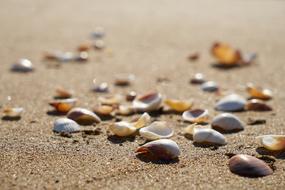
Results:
x,y
156,130
210,86
198,79
142,121
148,102
13,112
178,105
258,92
125,110
232,102
124,79
257,105
63,105
249,166
273,142
227,122
62,93
196,116
64,125
83,116
123,128
104,110
22,65
131,96
163,149
225,54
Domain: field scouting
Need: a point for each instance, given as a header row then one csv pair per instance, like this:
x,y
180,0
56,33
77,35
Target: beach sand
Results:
x,y
150,39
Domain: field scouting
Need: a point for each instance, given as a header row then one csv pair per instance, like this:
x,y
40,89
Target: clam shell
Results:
x,y
232,102
101,88
249,166
64,105
13,112
196,116
65,125
178,105
83,116
227,122
156,130
163,149
123,128
22,65
258,92
148,102
104,110
257,105
63,93
208,136
210,86
272,142
198,79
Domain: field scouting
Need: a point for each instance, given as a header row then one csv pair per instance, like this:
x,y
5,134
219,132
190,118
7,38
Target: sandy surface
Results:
x,y
150,39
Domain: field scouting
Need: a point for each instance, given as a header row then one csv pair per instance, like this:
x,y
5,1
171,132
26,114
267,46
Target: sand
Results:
x,y
149,39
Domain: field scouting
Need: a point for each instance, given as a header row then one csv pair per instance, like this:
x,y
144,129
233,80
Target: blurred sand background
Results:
x,y
150,39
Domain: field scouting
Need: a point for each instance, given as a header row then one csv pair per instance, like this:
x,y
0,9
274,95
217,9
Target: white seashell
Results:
x,y
156,130
196,115
65,125
227,122
208,136
164,149
123,128
22,65
210,86
198,79
232,102
148,102
142,121
98,33
272,142
13,112
83,116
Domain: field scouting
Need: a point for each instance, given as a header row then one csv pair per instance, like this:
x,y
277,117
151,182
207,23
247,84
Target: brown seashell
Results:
x,y
104,110
198,78
258,92
62,93
225,54
83,47
83,116
124,79
257,105
64,105
110,100
194,56
131,96
249,166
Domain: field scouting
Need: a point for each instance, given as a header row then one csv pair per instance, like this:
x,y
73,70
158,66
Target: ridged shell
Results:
x,y
227,122
164,149
83,116
249,166
156,130
148,102
22,65
273,142
196,116
65,125
232,102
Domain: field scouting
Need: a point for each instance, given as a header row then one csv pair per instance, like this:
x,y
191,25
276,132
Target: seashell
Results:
x,y
258,92
148,102
206,135
99,44
273,142
125,110
210,86
64,125
225,54
102,87
178,105
22,65
98,33
13,112
110,100
156,130
63,105
257,105
62,93
83,116
227,122
131,96
104,110
198,79
142,121
232,102
162,149
124,79
249,166
82,56
83,47
64,56
194,56
196,116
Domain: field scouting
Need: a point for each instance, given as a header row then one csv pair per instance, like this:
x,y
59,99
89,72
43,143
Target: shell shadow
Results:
x,y
118,140
227,132
203,145
220,66
150,159
275,154
8,118
55,113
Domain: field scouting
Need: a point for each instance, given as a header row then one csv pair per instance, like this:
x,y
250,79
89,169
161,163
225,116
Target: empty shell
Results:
x,y
12,112
249,166
101,88
163,149
208,136
131,96
227,122
196,116
156,130
83,116
210,86
22,65
198,79
110,100
273,142
225,54
63,105
258,92
257,105
64,125
148,102
104,110
232,102
125,110
123,128
178,105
